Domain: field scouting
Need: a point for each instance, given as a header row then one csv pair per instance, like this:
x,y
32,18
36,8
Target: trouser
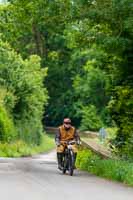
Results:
x,y
61,148
60,160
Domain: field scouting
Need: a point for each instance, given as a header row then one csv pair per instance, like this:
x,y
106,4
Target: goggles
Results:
x,y
67,122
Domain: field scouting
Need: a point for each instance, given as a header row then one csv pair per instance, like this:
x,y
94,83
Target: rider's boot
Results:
x,y
75,156
60,158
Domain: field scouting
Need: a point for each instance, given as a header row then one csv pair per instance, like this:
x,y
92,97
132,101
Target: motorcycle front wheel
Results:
x,y
71,163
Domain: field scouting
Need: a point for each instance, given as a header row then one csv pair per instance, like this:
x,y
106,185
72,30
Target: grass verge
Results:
x,y
20,148
117,170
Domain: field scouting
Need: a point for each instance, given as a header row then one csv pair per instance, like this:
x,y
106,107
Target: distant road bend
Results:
x,y
37,178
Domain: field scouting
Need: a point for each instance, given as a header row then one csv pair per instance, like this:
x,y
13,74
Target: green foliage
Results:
x,y
23,94
90,89
90,119
107,25
20,148
83,159
91,86
111,132
121,107
7,129
112,169
87,47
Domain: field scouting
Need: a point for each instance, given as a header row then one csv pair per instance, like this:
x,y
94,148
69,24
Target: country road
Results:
x,y
37,178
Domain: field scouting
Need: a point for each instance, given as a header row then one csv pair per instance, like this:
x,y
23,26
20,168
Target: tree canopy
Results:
x,y
87,47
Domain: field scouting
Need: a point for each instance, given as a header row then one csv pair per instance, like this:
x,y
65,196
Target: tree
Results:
x,y
24,95
68,35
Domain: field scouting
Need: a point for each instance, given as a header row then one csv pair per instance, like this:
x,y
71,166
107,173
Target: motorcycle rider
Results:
x,y
66,132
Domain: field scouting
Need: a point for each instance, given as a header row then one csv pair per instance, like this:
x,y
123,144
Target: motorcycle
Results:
x,y
68,162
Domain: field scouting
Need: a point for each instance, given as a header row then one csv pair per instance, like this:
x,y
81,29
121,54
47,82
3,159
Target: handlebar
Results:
x,y
71,142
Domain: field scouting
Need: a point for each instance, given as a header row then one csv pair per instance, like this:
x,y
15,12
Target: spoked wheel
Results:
x,y
71,163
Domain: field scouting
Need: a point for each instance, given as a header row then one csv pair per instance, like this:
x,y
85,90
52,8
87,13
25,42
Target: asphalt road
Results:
x,y
37,178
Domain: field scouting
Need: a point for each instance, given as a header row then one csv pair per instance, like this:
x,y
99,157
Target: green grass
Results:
x,y
111,134
117,170
20,148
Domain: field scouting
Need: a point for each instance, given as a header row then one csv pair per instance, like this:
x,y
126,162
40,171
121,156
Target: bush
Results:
x,y
111,132
112,169
90,119
121,108
83,159
20,148
24,96
7,129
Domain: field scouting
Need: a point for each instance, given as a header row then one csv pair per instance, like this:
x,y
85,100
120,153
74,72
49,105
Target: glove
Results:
x,y
58,144
78,142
